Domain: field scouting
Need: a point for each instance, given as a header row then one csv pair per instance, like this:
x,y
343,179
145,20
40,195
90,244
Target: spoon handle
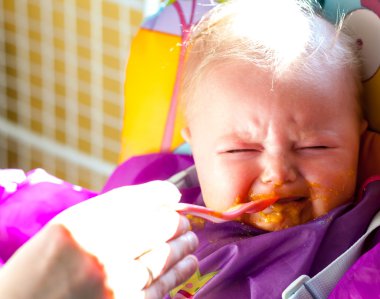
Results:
x,y
231,214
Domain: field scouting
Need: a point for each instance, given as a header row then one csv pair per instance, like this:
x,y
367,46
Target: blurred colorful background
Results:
x,y
62,68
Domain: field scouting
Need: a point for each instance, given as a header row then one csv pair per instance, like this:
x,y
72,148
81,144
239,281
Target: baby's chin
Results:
x,y
280,216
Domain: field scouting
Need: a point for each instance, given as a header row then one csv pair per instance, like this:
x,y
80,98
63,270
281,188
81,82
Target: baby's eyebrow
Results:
x,y
246,135
319,134
246,140
234,137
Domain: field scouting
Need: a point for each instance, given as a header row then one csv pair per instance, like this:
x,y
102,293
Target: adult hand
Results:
x,y
52,266
138,237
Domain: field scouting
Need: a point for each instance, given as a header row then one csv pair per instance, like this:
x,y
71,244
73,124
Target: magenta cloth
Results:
x,y
28,201
362,280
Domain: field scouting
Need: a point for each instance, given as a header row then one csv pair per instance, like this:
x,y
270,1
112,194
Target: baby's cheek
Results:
x,y
331,193
218,197
224,186
228,194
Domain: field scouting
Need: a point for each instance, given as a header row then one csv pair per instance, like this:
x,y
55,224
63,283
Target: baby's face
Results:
x,y
295,141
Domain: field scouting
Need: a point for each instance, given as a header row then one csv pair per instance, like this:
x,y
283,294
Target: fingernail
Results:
x,y
190,262
192,240
184,224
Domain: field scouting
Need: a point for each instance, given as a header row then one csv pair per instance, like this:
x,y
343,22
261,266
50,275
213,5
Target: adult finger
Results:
x,y
172,278
128,278
183,227
165,256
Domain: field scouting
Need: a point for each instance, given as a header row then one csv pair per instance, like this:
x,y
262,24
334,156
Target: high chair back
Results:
x,y
152,118
362,17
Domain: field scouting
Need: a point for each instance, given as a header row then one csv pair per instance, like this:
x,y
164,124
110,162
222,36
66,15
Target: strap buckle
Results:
x,y
296,288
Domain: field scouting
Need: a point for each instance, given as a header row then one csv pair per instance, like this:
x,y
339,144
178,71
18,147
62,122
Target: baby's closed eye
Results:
x,y
244,150
314,147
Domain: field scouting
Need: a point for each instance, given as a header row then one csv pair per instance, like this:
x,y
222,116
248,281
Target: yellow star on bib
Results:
x,y
192,285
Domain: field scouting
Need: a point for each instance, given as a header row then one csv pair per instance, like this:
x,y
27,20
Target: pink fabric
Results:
x,y
362,280
28,201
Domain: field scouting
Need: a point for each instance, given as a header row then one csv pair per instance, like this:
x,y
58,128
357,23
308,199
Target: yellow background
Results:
x,y
62,68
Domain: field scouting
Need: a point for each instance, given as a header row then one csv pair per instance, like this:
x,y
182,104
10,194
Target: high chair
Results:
x,y
152,124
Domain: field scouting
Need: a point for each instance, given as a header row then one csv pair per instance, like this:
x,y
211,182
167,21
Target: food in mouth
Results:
x,y
285,212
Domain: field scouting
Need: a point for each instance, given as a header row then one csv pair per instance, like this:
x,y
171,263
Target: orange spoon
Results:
x,y
229,215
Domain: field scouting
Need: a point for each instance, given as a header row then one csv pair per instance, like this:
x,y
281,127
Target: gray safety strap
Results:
x,y
321,285
185,179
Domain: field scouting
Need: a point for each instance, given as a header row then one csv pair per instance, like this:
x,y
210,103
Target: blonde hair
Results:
x,y
278,36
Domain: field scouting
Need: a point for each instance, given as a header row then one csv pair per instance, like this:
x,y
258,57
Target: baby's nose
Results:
x,y
278,169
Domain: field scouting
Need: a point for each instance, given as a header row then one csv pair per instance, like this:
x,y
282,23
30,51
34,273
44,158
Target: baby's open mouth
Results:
x,y
287,211
285,203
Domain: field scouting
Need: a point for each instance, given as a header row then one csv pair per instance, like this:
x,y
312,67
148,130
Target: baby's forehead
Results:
x,y
225,84
297,76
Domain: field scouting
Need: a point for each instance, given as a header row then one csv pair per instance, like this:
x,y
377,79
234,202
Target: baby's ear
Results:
x,y
185,132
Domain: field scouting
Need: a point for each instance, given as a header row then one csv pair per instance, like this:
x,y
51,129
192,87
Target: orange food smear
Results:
x,y
261,196
195,222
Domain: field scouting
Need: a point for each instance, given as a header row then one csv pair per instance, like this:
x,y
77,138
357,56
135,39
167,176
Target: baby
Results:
x,y
271,93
